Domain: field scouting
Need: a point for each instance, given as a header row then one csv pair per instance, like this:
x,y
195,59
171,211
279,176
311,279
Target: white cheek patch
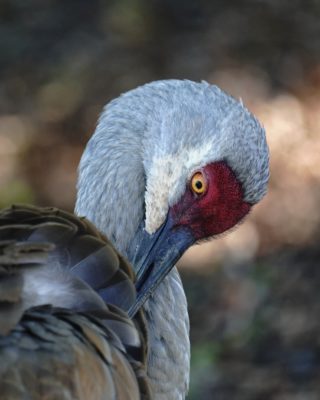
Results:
x,y
160,181
167,179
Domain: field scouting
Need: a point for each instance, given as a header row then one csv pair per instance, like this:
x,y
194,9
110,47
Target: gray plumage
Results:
x,y
147,144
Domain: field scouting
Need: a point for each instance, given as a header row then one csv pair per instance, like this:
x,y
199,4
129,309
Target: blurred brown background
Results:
x,y
253,295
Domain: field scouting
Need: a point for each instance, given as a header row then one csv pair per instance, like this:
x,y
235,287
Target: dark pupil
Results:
x,y
199,185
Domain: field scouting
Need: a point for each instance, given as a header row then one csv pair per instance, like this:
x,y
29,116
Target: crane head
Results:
x,y
180,162
206,173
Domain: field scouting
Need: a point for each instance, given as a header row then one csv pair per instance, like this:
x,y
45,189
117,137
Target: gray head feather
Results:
x,y
149,141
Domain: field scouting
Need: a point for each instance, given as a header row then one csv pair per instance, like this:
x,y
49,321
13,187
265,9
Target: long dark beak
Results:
x,y
153,256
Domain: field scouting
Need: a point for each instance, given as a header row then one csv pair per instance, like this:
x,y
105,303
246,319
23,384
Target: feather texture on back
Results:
x,y
85,349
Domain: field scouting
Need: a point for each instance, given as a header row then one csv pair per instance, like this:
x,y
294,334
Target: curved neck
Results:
x,y
112,183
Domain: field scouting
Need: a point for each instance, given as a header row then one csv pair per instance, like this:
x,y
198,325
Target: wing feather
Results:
x,y
59,339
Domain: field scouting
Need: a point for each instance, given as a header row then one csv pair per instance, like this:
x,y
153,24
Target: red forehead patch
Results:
x,y
218,209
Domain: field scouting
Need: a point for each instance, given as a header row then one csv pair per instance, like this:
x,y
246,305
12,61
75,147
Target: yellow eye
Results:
x,y
198,183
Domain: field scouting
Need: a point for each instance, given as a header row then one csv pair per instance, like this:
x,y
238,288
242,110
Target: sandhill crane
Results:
x,y
170,163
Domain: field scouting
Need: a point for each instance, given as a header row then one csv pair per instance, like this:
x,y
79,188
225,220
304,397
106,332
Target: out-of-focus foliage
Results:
x,y
254,323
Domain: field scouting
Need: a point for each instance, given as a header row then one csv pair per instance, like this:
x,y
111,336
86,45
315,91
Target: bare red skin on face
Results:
x,y
215,211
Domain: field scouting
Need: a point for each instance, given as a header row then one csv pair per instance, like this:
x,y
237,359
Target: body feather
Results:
x,y
59,337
